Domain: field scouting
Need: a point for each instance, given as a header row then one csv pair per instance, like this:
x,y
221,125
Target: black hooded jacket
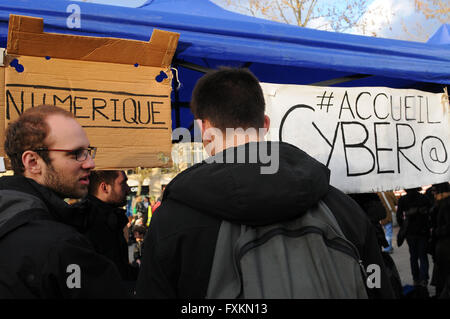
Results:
x,y
104,229
42,253
180,243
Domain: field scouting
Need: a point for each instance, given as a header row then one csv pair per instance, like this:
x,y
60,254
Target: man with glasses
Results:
x,y
43,255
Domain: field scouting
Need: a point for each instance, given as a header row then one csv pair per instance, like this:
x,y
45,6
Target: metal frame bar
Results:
x,y
341,80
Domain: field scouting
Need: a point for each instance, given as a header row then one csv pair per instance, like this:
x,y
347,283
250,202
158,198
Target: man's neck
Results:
x,y
105,201
233,139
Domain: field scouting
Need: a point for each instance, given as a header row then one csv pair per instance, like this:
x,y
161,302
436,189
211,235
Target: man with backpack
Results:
x,y
257,219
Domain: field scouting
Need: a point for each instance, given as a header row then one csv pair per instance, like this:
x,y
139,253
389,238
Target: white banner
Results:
x,y
371,138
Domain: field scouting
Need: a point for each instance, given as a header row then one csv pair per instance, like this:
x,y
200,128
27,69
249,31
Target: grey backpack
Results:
x,y
308,257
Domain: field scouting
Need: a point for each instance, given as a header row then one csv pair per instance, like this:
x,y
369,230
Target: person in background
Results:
x,y
139,234
134,206
442,250
43,254
372,205
389,202
154,204
413,214
106,219
129,208
142,208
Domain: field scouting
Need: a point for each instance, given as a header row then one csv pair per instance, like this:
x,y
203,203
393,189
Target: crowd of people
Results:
x,y
184,241
423,222
139,211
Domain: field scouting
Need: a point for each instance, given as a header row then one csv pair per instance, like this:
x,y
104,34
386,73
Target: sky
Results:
x,y
395,19
401,14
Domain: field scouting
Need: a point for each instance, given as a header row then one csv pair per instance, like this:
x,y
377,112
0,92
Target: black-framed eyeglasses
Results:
x,y
81,154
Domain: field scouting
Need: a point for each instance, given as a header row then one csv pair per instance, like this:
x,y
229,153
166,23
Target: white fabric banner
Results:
x,y
371,138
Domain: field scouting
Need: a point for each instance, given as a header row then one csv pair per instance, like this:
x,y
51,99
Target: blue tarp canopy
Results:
x,y
441,36
278,53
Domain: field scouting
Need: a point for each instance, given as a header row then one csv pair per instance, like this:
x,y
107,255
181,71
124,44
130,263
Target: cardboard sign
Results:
x,y
371,138
118,90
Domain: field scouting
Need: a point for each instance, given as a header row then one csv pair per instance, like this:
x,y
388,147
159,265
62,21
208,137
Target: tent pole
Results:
x,y
341,80
191,66
202,69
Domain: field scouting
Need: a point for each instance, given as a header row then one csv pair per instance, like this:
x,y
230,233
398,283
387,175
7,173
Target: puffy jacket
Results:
x,y
180,242
43,255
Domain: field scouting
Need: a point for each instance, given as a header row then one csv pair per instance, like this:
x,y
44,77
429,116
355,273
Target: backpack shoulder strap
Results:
x,y
224,281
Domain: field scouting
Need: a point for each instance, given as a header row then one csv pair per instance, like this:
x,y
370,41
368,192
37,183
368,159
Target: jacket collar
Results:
x,y
57,207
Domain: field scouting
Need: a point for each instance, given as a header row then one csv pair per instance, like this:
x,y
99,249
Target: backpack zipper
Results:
x,y
350,251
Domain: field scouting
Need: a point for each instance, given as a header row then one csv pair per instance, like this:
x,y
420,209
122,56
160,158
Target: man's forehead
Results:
x,y
55,120
66,131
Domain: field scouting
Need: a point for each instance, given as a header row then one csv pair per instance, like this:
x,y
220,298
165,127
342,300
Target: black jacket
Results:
x,y
104,228
43,255
180,243
419,221
371,204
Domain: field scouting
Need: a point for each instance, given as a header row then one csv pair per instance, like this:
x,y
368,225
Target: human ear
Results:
x,y
31,162
104,187
266,124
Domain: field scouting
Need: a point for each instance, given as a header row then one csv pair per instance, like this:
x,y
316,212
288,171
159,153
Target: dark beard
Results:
x,y
53,181
118,203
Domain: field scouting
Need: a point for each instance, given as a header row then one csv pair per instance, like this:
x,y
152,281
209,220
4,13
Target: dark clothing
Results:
x,y
105,224
180,242
418,257
371,204
443,217
393,275
137,253
442,252
413,213
375,210
43,255
414,206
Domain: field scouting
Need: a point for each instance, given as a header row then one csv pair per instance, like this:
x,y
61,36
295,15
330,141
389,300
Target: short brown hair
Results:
x,y
229,98
28,132
97,177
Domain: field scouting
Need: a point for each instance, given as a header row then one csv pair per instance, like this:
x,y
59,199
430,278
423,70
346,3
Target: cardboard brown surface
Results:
x,y
26,37
124,109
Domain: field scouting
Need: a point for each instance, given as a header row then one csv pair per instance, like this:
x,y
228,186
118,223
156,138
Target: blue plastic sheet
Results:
x,y
279,53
